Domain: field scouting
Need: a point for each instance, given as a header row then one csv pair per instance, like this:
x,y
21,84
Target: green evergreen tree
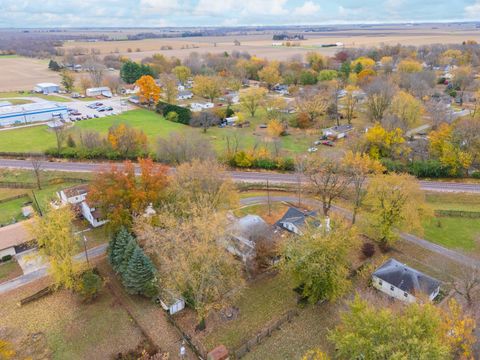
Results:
x,y
140,274
118,248
125,256
358,68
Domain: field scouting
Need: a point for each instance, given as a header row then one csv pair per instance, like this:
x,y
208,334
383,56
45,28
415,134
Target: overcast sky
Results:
x,y
140,13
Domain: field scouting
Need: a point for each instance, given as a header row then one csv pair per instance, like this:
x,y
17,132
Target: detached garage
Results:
x,y
13,238
100,91
46,88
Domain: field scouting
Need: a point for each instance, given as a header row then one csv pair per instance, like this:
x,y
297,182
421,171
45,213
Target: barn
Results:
x,y
29,113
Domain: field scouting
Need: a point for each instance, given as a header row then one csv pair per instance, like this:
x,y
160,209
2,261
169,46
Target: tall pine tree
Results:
x,y
126,256
117,249
140,273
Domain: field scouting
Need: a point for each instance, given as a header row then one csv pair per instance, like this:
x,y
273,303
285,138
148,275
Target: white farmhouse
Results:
x,y
77,196
404,283
74,195
92,215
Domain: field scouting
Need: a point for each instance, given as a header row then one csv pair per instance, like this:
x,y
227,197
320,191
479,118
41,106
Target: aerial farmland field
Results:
x,y
21,73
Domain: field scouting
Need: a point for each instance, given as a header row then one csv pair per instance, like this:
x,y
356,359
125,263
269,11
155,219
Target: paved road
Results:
x,y
239,176
43,271
450,254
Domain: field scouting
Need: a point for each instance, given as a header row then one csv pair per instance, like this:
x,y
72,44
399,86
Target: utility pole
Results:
x,y
36,203
85,247
268,196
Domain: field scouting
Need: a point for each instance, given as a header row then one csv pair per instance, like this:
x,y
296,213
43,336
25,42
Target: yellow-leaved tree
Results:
x,y
270,74
252,98
409,66
315,354
275,128
448,151
56,241
149,91
382,143
394,202
407,108
209,87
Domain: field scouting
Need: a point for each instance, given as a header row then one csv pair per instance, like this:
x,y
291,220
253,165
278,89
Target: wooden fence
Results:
x,y
31,185
11,198
247,346
196,346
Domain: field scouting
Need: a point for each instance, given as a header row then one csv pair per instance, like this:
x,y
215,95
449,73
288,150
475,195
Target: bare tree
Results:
x,y
468,286
37,165
95,69
60,135
380,93
183,147
328,180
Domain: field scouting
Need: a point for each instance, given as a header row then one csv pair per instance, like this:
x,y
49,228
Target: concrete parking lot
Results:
x,y
119,105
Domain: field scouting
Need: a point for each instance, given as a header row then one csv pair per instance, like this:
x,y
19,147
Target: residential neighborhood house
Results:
x,y
404,283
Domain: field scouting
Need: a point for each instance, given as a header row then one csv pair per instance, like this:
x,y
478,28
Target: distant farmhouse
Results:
x,y
404,283
29,113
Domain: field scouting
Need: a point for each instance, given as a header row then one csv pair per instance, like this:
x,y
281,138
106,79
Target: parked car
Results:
x,y
312,149
328,143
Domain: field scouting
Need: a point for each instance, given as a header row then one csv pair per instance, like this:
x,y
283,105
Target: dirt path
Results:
x,y
151,318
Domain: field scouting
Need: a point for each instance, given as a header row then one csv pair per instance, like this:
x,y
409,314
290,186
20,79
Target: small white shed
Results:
x,y
171,303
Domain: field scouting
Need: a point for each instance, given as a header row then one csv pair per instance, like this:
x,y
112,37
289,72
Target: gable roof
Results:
x,y
15,234
76,190
295,216
406,278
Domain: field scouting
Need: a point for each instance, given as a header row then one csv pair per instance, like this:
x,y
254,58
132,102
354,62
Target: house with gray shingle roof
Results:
x,y
404,283
294,219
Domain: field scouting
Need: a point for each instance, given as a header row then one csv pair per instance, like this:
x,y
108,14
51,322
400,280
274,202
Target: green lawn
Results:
x,y
11,211
454,232
40,138
9,270
454,201
17,94
19,101
259,304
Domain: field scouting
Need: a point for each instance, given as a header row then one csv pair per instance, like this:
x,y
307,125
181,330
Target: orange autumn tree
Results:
x,y
149,91
127,140
121,195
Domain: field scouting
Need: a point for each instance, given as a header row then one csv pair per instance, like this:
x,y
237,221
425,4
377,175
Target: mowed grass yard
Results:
x,y
73,330
40,138
459,233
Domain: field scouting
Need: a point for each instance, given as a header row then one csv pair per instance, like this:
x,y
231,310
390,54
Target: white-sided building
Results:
x,y
34,112
404,283
99,91
46,88
77,196
92,215
184,95
197,107
74,195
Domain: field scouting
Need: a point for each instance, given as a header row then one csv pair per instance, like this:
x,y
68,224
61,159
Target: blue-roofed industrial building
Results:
x,y
30,113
